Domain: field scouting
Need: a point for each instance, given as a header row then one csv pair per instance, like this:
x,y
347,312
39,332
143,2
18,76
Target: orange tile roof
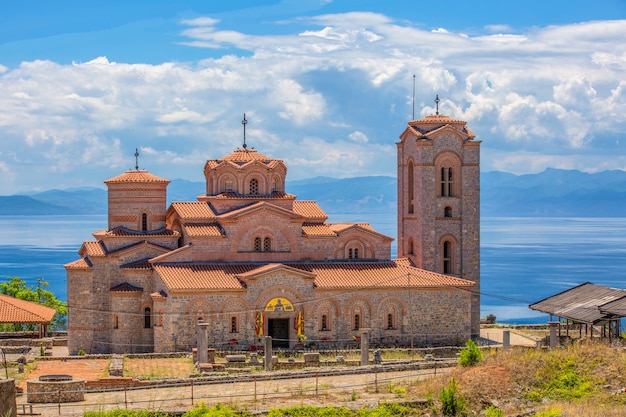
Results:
x,y
317,230
79,264
95,248
186,277
311,210
193,210
328,275
245,155
14,310
203,230
136,175
340,227
381,275
436,119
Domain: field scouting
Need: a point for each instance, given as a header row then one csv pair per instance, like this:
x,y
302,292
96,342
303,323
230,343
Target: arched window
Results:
x,y
410,249
254,186
228,185
357,322
144,222
267,244
447,212
324,322
233,324
147,318
353,253
390,325
257,244
447,257
410,186
446,182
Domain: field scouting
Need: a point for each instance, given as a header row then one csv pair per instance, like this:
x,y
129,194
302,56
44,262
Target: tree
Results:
x,y
17,288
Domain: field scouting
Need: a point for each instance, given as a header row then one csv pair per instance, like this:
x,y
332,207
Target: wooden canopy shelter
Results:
x,y
588,304
14,310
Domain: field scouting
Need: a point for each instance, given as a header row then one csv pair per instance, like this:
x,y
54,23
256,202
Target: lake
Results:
x,y
523,260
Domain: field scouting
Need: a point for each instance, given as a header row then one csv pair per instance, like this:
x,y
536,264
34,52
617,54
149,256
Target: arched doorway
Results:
x,y
280,315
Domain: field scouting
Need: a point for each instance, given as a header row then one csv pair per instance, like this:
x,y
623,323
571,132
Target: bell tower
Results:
x,y
439,200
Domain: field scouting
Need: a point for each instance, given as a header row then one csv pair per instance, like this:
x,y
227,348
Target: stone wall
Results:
x,y
55,391
7,397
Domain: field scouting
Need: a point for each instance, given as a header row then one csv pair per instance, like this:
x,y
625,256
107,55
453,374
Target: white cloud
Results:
x,y
297,105
553,96
358,137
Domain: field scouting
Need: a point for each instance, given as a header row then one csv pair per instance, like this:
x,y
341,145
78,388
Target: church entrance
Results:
x,y
278,329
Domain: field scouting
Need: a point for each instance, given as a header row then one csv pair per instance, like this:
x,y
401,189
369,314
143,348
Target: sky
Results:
x,y
325,85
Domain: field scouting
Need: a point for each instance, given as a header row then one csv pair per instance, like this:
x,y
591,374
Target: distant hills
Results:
x,y
552,193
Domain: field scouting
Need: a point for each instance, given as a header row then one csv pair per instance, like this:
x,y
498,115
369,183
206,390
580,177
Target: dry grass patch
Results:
x,y
157,368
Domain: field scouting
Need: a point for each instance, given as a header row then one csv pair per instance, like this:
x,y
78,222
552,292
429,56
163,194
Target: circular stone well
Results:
x,y
55,389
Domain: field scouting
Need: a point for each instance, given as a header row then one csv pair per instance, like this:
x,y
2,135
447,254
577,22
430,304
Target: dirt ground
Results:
x,y
85,368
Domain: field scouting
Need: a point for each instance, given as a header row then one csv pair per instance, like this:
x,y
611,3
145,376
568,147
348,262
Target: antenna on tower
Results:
x,y
413,116
244,122
136,159
437,105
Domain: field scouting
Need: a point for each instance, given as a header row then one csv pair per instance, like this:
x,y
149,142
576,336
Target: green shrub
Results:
x,y
217,411
492,411
310,411
471,355
452,403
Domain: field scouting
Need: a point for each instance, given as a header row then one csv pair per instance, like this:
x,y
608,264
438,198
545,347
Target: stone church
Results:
x,y
251,260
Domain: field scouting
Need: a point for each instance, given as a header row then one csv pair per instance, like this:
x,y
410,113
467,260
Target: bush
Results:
x,y
492,411
471,355
452,403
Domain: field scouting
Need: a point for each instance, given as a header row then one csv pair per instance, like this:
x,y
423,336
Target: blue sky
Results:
x,y
325,85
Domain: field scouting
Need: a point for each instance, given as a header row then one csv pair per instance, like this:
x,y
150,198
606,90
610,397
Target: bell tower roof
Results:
x,y
136,175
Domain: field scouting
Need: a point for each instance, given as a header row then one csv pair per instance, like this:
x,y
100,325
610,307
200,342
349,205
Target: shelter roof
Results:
x,y
14,310
616,308
583,303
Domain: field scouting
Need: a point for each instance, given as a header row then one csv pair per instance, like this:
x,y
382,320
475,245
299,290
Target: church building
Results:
x,y
251,260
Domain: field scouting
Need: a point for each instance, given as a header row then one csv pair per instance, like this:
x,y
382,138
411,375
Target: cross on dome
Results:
x,y
244,122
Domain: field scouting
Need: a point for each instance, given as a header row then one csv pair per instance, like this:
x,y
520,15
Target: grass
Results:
x,y
578,380
584,380
158,368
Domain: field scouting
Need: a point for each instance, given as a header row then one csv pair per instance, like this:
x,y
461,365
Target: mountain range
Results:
x,y
551,193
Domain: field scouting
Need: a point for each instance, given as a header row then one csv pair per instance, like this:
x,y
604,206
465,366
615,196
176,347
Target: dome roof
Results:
x,y
243,156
